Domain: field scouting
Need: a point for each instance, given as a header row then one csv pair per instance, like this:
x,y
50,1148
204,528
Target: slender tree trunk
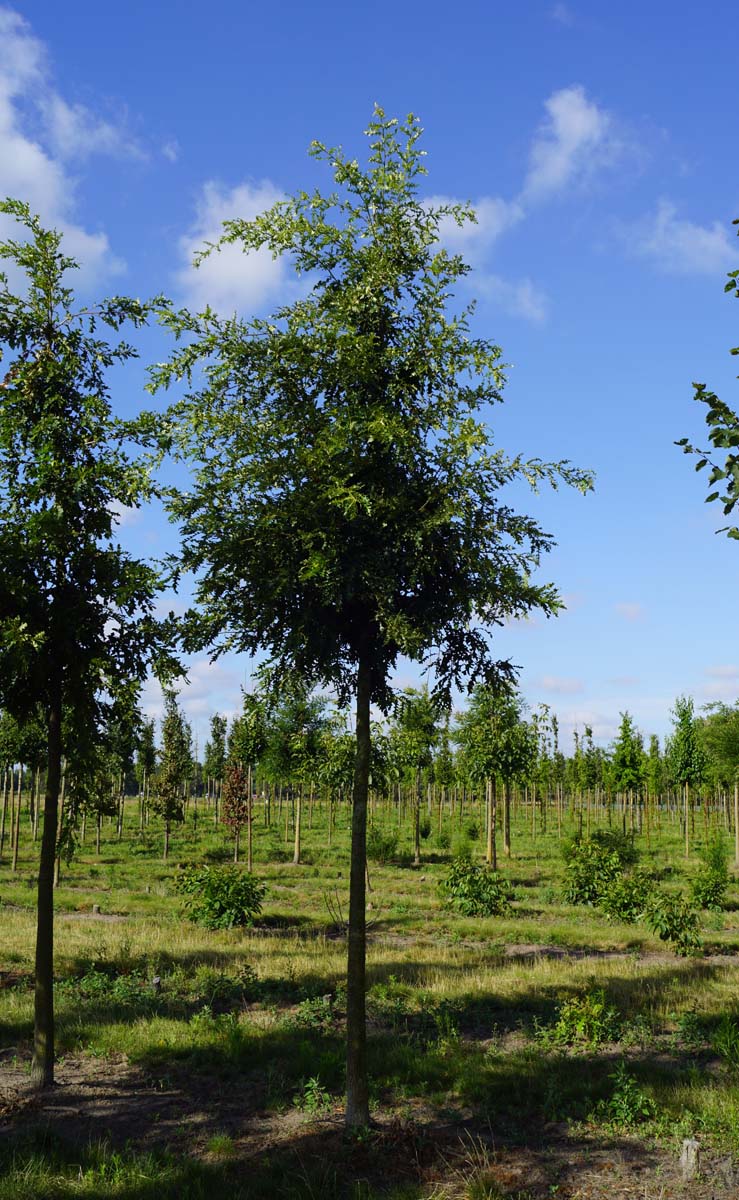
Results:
x,y
507,819
417,822
736,822
298,815
687,826
166,840
249,822
6,784
357,1091
17,822
42,1066
98,827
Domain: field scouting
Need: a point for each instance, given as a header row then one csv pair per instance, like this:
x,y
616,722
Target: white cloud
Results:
x,y
38,131
562,14
723,672
576,139
212,687
626,681
171,150
474,239
519,298
679,246
561,685
230,280
630,610
75,132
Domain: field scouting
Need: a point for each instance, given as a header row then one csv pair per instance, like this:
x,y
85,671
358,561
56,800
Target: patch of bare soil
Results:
x,y
113,1100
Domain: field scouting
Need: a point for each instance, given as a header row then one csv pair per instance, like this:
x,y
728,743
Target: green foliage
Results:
x,y
675,921
628,1105
77,625
493,738
475,891
220,897
424,826
346,487
592,864
712,882
381,844
687,759
626,897
582,1020
313,1099
628,764
726,1039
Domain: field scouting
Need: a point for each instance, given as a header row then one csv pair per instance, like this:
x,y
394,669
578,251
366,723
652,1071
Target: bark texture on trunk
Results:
x,y
357,1091
42,1067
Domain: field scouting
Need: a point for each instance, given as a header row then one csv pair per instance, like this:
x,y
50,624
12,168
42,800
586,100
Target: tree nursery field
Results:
x,y
553,1049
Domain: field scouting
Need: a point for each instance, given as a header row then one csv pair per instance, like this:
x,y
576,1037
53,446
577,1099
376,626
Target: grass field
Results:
x,y
547,1052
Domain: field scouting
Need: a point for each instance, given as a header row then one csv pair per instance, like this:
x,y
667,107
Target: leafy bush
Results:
x,y
220,897
585,1019
472,830
424,826
674,920
626,897
475,891
712,882
381,846
629,1104
593,863
443,839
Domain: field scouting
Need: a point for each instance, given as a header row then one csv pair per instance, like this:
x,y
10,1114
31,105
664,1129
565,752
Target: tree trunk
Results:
x,y
42,1066
357,1091
736,822
687,826
417,823
17,821
507,819
6,784
249,822
298,815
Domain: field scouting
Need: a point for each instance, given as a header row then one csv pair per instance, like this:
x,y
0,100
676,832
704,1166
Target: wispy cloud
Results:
x,y
562,14
630,610
561,685
679,246
722,671
576,139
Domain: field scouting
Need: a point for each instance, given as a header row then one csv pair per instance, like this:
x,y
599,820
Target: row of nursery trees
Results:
x,y
430,773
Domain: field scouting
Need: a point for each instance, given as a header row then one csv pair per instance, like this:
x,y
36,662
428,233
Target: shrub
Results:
x,y
711,884
443,839
674,920
220,897
626,897
593,863
726,1040
585,1019
472,830
381,846
629,1104
424,826
475,891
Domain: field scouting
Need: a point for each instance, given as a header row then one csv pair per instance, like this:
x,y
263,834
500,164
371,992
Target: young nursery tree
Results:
x,y
346,507
687,758
77,630
175,765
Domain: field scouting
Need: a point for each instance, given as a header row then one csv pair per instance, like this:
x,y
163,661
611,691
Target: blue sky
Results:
x,y
598,144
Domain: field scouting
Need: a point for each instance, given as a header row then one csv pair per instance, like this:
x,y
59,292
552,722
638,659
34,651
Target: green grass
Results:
x,y
466,1018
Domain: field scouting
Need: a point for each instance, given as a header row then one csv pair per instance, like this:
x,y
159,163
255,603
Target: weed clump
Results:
x,y
220,897
592,864
712,882
586,1020
475,891
381,846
